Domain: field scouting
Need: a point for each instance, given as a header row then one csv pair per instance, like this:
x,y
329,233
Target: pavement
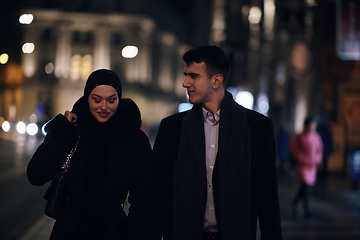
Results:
x,y
334,204
40,230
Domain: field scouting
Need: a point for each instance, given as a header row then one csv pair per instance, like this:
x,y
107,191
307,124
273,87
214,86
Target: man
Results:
x,y
216,161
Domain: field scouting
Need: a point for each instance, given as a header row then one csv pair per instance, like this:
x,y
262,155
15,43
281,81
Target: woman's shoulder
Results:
x,y
130,115
56,122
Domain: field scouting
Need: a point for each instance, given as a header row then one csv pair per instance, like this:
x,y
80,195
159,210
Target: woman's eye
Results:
x,y
112,100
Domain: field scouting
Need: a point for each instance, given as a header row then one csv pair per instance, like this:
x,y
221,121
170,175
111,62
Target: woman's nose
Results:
x,y
104,105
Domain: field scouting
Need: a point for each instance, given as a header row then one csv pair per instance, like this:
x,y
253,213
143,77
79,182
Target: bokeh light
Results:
x,y
4,58
184,107
21,127
43,129
26,18
5,126
245,99
28,47
32,129
49,68
129,51
255,15
33,118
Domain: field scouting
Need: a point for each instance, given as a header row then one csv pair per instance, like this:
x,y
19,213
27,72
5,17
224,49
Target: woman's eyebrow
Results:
x,y
95,95
114,95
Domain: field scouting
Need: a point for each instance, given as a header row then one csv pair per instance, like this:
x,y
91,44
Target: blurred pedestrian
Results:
x,y
217,161
110,162
282,148
306,149
324,131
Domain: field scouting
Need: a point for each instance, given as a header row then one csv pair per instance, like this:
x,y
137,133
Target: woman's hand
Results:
x,y
71,117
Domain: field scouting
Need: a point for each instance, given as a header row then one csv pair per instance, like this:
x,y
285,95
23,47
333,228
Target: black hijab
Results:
x,y
99,136
88,126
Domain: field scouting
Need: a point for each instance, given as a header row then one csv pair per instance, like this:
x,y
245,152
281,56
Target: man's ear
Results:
x,y
218,79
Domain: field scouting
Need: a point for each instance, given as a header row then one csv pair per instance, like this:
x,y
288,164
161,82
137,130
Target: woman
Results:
x,y
111,160
306,149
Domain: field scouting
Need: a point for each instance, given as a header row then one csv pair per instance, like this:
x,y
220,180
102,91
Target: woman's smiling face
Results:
x,y
103,102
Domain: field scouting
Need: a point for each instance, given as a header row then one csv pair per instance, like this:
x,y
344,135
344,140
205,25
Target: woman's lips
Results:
x,y
103,114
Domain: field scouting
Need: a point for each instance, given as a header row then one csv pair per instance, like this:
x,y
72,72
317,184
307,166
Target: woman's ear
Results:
x,y
218,79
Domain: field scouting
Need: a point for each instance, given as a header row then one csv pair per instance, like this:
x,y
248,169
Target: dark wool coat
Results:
x,y
104,169
263,179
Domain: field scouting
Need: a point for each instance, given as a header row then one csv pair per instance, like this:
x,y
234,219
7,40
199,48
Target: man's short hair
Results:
x,y
214,57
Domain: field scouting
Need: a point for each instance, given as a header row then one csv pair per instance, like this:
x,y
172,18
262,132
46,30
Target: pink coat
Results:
x,y
306,148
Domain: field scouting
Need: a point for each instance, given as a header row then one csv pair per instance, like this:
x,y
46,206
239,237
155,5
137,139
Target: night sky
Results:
x,y
187,19
178,16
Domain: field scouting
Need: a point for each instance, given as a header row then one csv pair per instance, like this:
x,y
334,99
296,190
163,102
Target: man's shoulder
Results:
x,y
169,131
174,119
257,119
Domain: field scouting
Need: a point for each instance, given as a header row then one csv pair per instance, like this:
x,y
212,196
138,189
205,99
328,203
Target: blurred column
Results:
x,y
218,25
102,48
63,52
29,56
145,53
13,93
166,73
257,79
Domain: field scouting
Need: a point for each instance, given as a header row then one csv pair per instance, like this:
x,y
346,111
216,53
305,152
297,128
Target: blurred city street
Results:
x,y
334,205
290,59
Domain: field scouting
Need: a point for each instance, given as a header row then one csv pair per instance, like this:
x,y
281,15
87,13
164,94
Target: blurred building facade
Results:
x,y
291,53
69,46
285,52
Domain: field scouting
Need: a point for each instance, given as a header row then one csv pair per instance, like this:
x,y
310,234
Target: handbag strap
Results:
x,y
70,155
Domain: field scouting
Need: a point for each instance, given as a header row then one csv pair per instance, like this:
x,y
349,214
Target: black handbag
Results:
x,y
56,195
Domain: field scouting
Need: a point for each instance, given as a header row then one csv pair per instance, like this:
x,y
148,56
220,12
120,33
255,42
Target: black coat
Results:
x,y
103,170
264,195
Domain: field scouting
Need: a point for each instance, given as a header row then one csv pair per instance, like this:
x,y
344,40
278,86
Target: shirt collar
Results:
x,y
208,115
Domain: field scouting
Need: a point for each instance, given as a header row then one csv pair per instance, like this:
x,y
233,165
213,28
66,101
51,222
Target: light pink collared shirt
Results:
x,y
211,129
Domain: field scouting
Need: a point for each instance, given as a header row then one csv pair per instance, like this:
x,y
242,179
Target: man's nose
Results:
x,y
186,83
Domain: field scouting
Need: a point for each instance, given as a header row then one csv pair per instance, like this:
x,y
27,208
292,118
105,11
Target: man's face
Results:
x,y
198,85
103,102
